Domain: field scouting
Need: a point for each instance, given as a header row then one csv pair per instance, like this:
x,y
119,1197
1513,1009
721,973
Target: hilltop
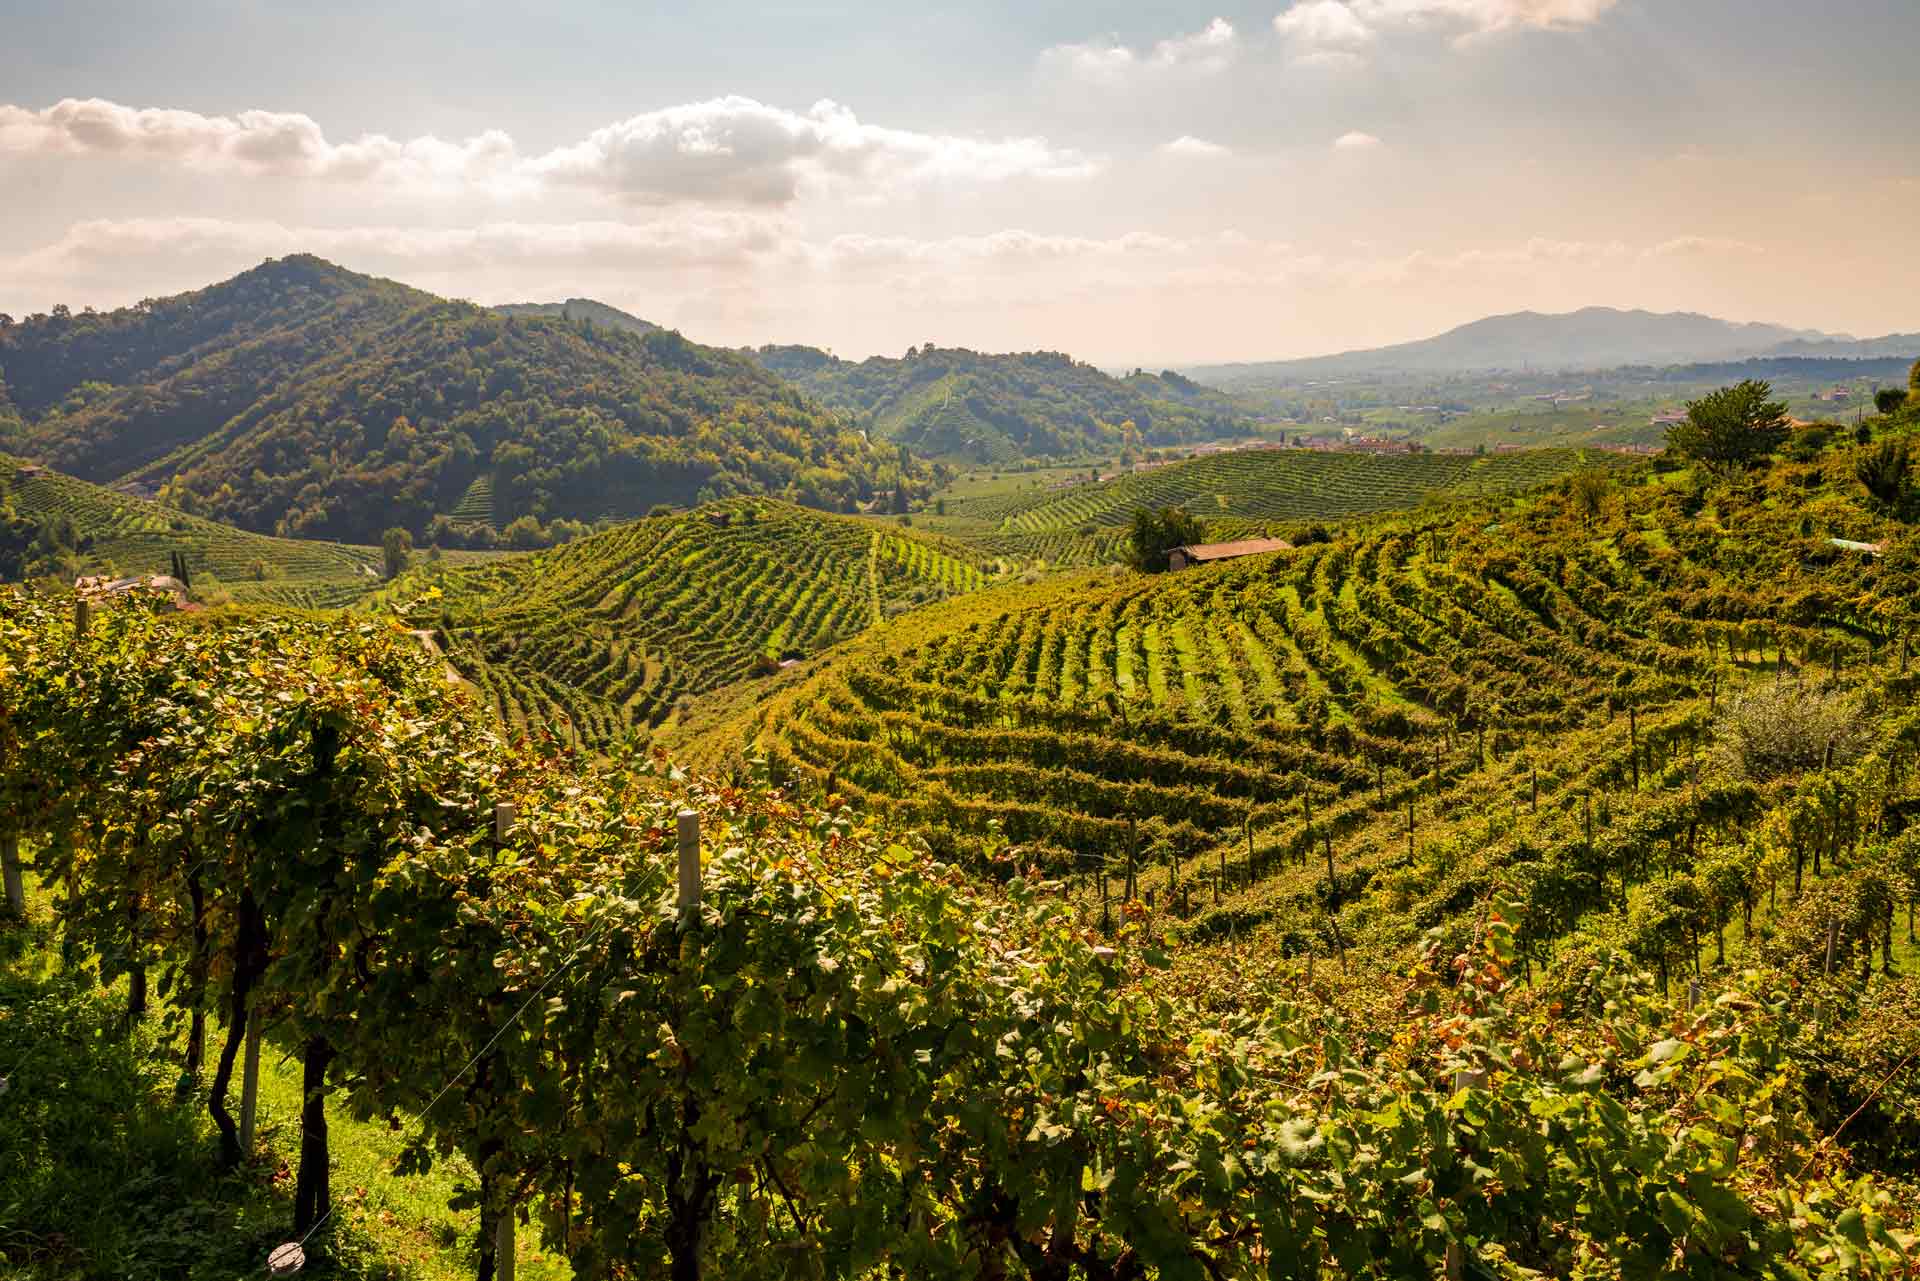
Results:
x,y
954,403
585,309
1591,338
302,399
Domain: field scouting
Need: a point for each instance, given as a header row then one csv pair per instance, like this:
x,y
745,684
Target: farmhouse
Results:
x,y
1205,553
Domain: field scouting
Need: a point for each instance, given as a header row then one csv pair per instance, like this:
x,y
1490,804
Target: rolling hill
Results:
x,y
1591,338
109,532
954,403
302,399
610,633
1435,665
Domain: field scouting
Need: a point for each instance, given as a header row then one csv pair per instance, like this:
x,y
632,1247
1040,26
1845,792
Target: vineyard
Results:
x,y
1274,485
682,1029
128,535
609,634
1402,721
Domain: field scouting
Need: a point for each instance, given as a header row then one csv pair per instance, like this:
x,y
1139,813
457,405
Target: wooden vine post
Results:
x,y
504,814
10,866
1133,841
1633,726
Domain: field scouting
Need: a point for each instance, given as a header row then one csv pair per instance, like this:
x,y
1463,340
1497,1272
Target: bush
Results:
x,y
1890,400
1783,730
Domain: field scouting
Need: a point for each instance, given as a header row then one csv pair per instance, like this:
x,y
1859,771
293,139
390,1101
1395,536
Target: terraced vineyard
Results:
x,y
133,536
1276,485
1415,709
610,633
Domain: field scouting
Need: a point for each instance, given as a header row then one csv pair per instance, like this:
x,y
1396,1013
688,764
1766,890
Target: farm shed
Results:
x,y
1203,553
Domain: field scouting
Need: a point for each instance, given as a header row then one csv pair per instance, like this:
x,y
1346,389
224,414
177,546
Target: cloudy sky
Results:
x,y
1134,183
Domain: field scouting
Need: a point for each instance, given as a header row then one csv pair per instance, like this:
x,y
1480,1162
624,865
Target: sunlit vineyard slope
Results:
x,y
1276,725
117,533
609,632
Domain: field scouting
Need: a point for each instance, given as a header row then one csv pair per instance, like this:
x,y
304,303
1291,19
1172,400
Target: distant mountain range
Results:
x,y
586,309
303,399
953,403
1592,338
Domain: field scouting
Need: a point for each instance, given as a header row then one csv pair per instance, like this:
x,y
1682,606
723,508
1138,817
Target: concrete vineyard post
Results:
x,y
689,824
503,1247
250,1083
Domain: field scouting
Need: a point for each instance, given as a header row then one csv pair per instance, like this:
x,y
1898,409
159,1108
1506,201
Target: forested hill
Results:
x,y
303,399
950,402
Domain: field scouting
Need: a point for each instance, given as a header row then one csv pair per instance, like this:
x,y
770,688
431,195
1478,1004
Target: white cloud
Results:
x,y
263,143
738,150
1321,27
1205,52
1195,148
730,150
1355,140
1337,31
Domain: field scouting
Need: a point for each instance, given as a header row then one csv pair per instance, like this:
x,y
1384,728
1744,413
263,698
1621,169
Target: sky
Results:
x,y
1137,184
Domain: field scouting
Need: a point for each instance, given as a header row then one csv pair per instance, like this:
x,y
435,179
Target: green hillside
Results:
x,y
963,404
1599,645
302,399
91,529
610,633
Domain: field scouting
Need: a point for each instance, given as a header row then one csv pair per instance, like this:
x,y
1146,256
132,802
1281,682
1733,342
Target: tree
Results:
x,y
1731,428
1587,490
1889,400
1882,470
1155,533
397,544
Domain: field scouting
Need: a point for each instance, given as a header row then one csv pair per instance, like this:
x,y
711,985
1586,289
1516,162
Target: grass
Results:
x,y
105,1172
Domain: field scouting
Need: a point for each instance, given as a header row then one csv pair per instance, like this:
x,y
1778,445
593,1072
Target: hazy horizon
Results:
x,y
1238,182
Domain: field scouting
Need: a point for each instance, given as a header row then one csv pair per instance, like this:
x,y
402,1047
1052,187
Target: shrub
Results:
x,y
1783,730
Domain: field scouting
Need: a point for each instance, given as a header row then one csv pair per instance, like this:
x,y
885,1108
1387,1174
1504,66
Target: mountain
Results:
x,y
1592,338
586,309
303,399
954,403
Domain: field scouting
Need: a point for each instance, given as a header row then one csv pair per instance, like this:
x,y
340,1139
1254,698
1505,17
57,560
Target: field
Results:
x,y
133,536
608,635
